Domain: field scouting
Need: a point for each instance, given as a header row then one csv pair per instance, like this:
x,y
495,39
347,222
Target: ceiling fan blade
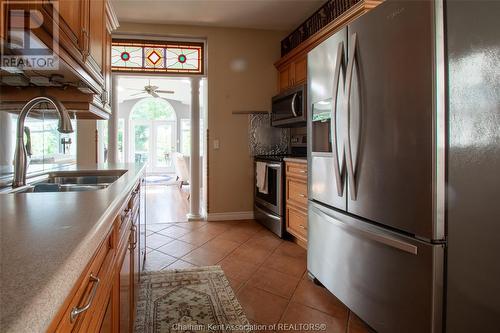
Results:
x,y
139,93
154,94
165,91
153,87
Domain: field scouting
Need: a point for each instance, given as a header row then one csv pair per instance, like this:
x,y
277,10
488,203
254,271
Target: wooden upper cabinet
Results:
x,y
95,51
293,73
284,78
300,67
72,21
292,67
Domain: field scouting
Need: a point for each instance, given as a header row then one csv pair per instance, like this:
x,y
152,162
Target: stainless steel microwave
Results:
x,y
289,108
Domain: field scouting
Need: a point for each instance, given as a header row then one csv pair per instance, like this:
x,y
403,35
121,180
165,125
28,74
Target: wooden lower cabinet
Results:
x,y
107,322
104,297
124,288
296,201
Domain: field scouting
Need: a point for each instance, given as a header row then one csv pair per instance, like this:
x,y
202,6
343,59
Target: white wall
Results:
x,y
241,76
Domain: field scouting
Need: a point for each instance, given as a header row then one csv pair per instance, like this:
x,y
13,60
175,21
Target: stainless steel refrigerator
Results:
x,y
376,129
473,165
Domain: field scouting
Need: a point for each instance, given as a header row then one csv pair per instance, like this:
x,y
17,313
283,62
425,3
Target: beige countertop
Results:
x,y
296,159
46,240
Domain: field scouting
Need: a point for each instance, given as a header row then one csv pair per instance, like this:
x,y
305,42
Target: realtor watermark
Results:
x,y
27,44
308,327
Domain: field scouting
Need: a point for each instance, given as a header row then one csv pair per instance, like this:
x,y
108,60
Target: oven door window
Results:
x,y
271,198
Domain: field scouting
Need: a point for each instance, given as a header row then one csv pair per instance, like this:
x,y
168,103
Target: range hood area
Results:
x,y
83,105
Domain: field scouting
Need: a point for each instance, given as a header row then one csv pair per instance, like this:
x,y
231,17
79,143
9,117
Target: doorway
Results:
x,y
153,142
154,127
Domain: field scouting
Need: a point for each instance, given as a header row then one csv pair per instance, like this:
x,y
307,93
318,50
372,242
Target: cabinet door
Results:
x,y
96,38
284,78
107,322
296,222
300,70
72,21
125,295
135,259
106,96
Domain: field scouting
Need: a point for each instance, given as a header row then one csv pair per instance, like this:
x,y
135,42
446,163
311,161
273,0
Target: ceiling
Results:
x,y
255,14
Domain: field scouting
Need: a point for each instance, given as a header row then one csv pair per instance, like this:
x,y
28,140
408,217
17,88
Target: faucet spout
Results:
x,y
21,155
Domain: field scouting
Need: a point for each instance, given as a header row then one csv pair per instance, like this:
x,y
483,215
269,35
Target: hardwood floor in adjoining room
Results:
x,y
166,203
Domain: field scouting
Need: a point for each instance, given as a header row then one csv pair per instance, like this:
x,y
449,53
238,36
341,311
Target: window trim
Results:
x,y
159,44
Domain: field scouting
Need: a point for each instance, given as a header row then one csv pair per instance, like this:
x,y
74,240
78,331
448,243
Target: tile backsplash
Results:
x,y
47,148
265,139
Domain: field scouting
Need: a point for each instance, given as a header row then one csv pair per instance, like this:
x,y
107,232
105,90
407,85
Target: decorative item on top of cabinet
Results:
x,y
296,199
292,66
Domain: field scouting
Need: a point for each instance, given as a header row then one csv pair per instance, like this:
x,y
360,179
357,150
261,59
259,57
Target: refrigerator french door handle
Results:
x,y
375,236
350,69
333,123
294,112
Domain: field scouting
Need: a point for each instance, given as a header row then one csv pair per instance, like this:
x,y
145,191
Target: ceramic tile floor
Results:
x,y
267,274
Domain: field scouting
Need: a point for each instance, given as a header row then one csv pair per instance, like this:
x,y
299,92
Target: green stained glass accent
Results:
x,y
157,56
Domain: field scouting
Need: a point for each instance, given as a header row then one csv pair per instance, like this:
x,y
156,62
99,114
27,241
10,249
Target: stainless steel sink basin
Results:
x,y
92,180
50,187
71,181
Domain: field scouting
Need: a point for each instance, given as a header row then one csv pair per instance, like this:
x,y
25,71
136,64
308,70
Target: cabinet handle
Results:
x,y
302,226
76,310
133,244
302,195
303,171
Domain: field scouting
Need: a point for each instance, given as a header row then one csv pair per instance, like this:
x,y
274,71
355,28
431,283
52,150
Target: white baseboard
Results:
x,y
230,216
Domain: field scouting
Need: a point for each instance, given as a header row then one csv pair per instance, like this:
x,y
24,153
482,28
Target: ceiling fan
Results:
x,y
151,90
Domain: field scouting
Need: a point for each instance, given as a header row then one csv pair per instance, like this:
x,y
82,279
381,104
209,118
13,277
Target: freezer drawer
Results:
x,y
392,282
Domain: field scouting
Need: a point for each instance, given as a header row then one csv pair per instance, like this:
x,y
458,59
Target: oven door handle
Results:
x,y
273,166
277,218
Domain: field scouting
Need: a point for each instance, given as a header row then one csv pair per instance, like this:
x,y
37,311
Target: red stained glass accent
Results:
x,y
157,56
154,57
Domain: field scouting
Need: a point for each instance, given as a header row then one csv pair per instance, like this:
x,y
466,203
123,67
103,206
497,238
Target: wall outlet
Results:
x,y
216,144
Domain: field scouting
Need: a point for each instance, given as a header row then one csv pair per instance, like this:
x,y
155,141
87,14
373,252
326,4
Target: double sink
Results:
x,y
71,181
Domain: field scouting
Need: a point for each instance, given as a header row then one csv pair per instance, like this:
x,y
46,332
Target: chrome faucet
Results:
x,y
21,156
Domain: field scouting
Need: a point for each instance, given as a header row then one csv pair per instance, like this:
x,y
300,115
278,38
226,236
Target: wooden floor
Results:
x,y
166,203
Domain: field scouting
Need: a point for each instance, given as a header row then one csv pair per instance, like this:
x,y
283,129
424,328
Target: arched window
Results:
x,y
152,108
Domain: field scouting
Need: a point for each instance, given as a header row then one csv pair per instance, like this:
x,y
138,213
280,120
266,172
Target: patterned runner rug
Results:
x,y
188,300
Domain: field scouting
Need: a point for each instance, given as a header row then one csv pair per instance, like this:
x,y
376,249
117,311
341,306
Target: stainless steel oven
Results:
x,y
269,207
289,108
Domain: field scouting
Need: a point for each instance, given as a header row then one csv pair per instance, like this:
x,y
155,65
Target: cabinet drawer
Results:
x,y
298,170
297,192
296,222
90,287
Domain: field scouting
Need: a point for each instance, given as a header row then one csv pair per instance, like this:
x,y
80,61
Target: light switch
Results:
x,y
216,144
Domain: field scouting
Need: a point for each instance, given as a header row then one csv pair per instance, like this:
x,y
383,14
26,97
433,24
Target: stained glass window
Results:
x,y
156,56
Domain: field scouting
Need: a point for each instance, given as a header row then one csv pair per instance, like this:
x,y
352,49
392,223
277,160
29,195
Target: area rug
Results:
x,y
188,300
160,180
